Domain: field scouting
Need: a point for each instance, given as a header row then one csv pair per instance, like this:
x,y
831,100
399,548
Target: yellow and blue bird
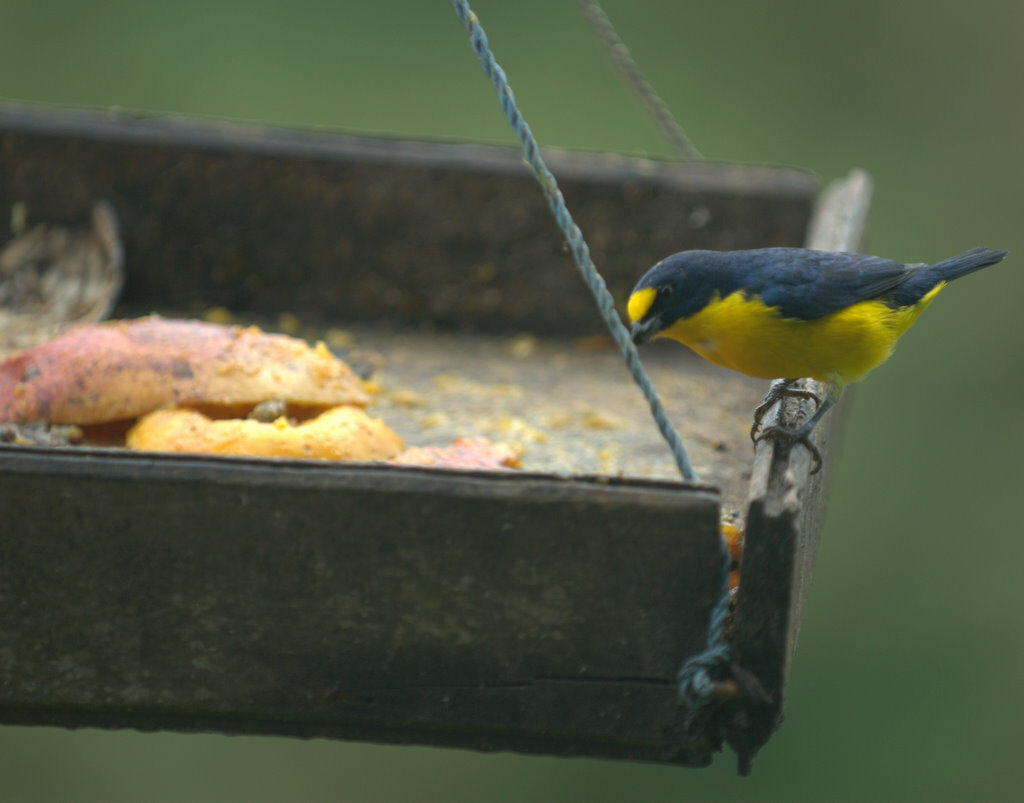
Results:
x,y
791,313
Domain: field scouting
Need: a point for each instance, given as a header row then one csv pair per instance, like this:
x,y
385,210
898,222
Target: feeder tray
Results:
x,y
546,610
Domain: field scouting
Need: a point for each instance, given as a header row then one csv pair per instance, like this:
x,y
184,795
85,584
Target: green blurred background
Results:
x,y
908,681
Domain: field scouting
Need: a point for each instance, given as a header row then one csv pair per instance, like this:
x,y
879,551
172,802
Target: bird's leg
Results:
x,y
802,433
778,390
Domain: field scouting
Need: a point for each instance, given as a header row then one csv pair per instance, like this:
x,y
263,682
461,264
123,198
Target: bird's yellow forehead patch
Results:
x,y
639,303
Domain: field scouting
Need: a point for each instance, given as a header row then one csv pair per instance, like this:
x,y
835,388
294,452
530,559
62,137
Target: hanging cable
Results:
x,y
619,53
573,235
699,674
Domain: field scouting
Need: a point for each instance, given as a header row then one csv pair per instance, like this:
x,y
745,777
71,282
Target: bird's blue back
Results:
x,y
801,283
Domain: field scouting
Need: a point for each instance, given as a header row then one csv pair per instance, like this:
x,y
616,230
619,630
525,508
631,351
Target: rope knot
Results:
x,y
700,678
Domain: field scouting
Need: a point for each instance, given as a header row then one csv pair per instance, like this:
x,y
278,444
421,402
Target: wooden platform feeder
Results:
x,y
546,610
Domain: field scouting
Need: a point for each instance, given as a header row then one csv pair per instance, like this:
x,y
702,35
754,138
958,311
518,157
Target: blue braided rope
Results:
x,y
697,676
573,235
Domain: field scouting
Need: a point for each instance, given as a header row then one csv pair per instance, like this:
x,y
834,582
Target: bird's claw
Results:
x,y
794,436
775,394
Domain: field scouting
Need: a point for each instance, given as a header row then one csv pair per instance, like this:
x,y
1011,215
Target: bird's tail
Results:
x,y
921,281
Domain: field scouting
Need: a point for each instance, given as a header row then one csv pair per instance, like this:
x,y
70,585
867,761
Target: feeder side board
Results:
x,y
787,505
365,602
354,229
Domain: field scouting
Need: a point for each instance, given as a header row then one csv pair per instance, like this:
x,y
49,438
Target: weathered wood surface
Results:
x,y
534,613
786,509
389,603
358,229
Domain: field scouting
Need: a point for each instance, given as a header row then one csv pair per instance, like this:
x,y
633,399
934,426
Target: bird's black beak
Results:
x,y
644,329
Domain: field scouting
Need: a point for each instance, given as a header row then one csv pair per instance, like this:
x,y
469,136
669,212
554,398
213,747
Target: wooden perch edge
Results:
x,y
786,508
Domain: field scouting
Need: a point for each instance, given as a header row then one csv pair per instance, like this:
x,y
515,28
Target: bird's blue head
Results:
x,y
676,288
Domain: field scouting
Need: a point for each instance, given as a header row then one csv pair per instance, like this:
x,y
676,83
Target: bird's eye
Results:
x,y
665,291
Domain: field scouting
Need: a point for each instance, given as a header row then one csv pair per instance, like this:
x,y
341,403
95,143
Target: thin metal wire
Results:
x,y
573,235
619,53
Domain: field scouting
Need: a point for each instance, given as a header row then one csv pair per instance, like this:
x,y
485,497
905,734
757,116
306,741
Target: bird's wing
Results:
x,y
811,284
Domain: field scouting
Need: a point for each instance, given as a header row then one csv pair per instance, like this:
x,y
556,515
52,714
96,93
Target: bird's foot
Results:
x,y
780,389
798,435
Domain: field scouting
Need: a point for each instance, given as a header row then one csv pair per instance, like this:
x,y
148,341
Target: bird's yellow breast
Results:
x,y
744,334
